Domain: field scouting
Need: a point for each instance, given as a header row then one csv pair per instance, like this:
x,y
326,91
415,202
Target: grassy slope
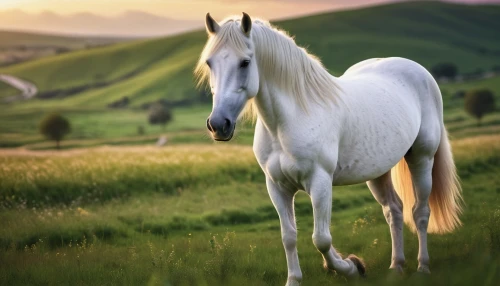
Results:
x,y
7,90
162,68
135,69
426,32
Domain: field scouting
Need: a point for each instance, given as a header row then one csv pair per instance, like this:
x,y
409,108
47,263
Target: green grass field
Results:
x,y
200,215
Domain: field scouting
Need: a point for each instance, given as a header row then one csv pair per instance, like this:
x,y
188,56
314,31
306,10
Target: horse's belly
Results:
x,y
360,171
382,124
372,151
367,164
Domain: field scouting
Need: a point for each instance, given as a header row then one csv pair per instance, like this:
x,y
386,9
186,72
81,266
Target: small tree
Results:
x,y
141,130
159,114
446,70
479,102
54,126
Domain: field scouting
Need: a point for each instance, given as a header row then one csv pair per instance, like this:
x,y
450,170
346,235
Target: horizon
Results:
x,y
290,8
161,18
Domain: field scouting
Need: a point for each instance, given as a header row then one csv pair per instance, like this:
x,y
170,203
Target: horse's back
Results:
x,y
396,75
420,88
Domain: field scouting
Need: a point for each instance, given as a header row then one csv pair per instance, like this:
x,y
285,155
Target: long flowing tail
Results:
x,y
446,197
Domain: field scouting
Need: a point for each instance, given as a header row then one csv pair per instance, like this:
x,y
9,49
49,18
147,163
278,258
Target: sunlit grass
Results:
x,y
200,215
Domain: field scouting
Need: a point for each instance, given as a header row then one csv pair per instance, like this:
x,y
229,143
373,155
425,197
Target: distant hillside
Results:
x,y
15,39
16,47
427,32
130,23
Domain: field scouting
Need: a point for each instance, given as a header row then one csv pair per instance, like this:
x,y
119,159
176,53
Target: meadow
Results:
x,y
113,209
200,215
93,126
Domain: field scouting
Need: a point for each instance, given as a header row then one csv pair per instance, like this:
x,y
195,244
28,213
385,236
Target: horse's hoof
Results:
x,y
292,283
360,265
424,270
397,270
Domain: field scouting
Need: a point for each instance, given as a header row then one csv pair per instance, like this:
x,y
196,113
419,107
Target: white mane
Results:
x,y
280,60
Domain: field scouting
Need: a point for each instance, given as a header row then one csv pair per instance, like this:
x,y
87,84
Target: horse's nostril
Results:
x,y
227,125
210,128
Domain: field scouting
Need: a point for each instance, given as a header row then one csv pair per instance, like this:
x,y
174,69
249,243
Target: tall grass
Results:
x,y
211,222
40,179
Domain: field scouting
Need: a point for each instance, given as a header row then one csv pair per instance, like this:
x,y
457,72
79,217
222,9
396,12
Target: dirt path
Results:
x,y
27,89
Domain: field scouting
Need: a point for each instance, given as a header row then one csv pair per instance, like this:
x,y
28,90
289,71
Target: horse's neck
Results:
x,y
272,105
276,108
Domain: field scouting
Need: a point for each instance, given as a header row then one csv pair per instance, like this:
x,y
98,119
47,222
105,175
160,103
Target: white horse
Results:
x,y
314,130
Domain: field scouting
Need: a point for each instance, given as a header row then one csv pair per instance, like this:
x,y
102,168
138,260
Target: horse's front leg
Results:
x,y
282,199
320,190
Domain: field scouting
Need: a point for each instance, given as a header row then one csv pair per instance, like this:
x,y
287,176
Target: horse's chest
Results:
x,y
286,170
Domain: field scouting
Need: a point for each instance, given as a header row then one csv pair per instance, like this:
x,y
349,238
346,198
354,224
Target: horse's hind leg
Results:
x,y
421,173
320,190
420,162
383,191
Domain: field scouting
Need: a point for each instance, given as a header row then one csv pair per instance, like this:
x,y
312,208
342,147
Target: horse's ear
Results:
x,y
211,25
246,24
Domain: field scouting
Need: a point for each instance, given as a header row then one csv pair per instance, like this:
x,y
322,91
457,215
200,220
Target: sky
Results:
x,y
196,9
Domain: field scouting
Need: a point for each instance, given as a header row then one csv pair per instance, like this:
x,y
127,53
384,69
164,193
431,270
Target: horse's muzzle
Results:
x,y
221,128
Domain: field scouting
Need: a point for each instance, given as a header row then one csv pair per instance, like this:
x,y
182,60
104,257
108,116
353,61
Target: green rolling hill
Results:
x,y
428,32
142,70
17,47
82,83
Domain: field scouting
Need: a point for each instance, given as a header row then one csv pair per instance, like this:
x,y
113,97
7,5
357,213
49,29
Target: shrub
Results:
x,y
54,126
159,114
141,130
479,102
445,70
120,103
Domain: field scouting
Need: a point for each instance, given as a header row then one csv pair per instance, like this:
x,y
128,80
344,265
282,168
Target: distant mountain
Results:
x,y
128,24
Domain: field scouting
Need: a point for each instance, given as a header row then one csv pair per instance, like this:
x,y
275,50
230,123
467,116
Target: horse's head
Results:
x,y
228,62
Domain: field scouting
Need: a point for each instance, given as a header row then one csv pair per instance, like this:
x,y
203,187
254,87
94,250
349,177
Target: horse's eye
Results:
x,y
244,63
